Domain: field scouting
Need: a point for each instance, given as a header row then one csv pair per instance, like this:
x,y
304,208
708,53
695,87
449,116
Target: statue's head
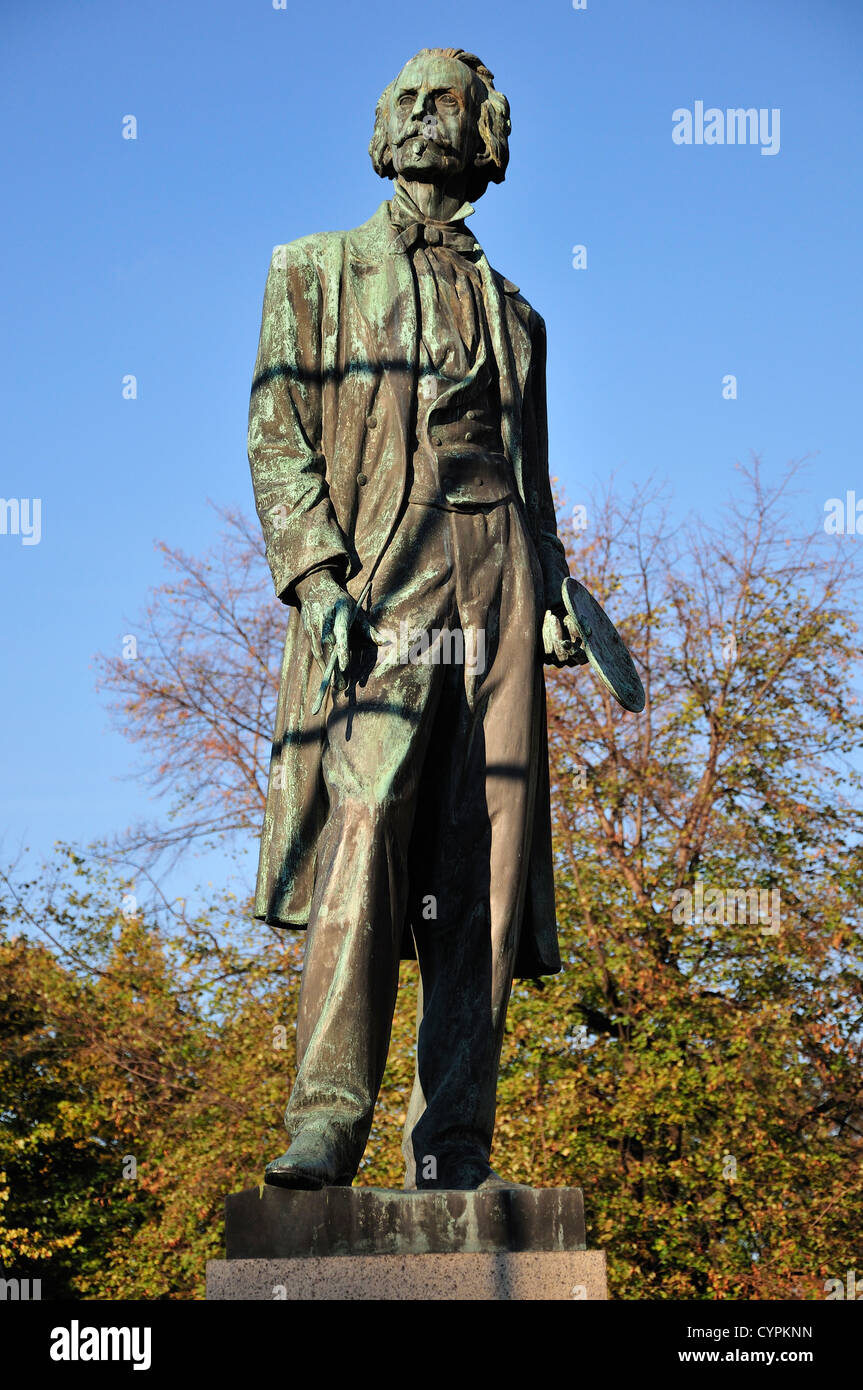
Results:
x,y
441,121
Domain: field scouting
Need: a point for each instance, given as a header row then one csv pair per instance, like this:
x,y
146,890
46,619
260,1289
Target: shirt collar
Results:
x,y
405,203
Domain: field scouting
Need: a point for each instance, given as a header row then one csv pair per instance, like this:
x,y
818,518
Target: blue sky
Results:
x,y
149,257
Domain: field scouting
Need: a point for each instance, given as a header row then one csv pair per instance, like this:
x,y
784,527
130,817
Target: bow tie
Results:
x,y
417,232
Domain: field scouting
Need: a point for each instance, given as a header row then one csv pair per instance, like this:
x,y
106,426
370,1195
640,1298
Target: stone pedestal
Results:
x,y
352,1243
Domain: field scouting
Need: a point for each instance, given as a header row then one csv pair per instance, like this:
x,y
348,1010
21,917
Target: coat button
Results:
x,y
371,422
362,479
468,436
437,441
471,415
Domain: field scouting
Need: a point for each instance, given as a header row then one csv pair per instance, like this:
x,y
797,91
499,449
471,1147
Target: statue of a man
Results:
x,y
398,448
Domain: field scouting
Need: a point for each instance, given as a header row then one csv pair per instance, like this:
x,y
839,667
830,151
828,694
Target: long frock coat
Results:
x,y
330,428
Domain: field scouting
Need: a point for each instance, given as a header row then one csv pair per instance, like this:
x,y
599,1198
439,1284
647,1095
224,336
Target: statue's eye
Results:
x,y
406,99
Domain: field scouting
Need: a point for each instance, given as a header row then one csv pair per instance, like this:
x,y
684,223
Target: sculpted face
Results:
x,y
432,130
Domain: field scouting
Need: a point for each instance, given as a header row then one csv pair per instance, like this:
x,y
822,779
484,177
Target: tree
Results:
x,y
196,692
142,1072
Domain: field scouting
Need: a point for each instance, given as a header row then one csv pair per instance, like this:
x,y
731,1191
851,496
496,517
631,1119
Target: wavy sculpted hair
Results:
x,y
493,127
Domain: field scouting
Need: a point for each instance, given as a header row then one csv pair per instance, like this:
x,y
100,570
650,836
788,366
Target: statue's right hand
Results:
x,y
325,610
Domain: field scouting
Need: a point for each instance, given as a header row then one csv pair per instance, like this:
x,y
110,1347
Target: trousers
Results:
x,y
430,770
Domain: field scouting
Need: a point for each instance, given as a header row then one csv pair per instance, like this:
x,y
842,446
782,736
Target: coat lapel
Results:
x,y
382,287
511,343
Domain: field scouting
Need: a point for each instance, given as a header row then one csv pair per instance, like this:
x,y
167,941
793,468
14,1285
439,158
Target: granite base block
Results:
x,y
574,1275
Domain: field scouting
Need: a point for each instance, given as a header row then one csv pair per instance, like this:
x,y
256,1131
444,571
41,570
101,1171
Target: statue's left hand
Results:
x,y
561,644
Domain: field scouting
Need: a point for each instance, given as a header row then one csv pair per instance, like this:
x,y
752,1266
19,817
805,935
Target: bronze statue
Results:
x,y
398,448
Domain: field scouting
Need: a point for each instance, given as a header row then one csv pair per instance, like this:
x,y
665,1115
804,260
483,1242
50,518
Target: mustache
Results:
x,y
420,134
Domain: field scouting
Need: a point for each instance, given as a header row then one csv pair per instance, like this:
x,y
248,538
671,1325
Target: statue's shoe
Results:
x,y
308,1163
494,1182
472,1176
